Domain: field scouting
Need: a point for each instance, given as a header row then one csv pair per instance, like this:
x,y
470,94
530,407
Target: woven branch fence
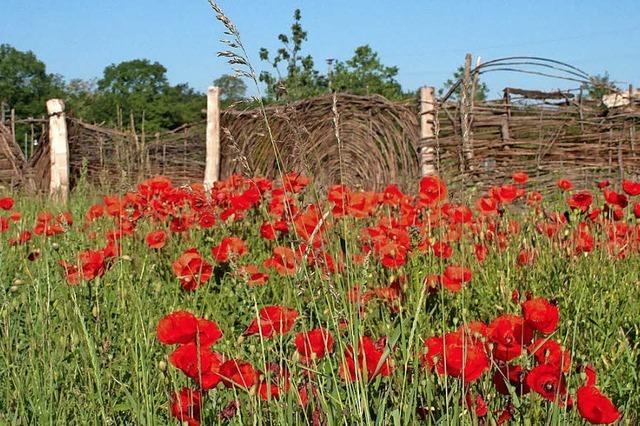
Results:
x,y
578,141
361,141
368,142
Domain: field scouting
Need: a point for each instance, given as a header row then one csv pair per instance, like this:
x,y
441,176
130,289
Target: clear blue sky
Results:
x,y
427,40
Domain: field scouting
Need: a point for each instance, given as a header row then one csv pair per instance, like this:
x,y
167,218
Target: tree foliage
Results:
x,y
364,74
25,84
300,78
232,89
481,90
599,86
140,89
293,74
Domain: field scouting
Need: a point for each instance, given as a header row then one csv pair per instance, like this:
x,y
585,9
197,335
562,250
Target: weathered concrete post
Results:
x,y
58,151
212,168
427,131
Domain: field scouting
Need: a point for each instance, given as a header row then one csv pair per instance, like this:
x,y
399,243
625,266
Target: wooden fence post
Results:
x,y
212,168
427,131
58,151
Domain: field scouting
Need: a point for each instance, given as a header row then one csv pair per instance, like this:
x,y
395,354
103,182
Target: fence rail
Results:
x,y
365,141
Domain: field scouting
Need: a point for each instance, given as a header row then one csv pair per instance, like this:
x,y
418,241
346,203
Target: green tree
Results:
x,y
300,79
232,89
80,96
25,84
599,86
364,74
481,90
140,88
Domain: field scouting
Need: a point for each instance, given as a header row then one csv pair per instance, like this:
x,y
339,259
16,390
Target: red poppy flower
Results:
x,y
615,198
630,187
191,269
541,315
91,264
208,332
506,194
272,320
180,224
506,415
391,254
392,195
22,238
548,381
314,344
457,355
95,211
508,333
474,329
564,184
199,363
432,191
186,406
487,206
65,218
481,251
371,361
229,247
239,373
454,277
548,351
206,220
584,242
4,224
294,182
603,184
307,221
46,225
525,257
442,250
534,198
476,403
391,294
580,201
283,261
279,383
595,407
156,239
6,203
268,231
513,374
520,177
71,272
253,275
177,327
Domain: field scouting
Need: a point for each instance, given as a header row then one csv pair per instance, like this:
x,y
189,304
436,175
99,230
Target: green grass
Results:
x,y
88,354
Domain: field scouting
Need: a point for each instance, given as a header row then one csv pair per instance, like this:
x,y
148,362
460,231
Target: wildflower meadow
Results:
x,y
271,302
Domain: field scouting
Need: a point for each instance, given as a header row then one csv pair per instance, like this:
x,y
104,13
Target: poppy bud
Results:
x,y
95,311
13,288
55,246
18,281
162,365
126,257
